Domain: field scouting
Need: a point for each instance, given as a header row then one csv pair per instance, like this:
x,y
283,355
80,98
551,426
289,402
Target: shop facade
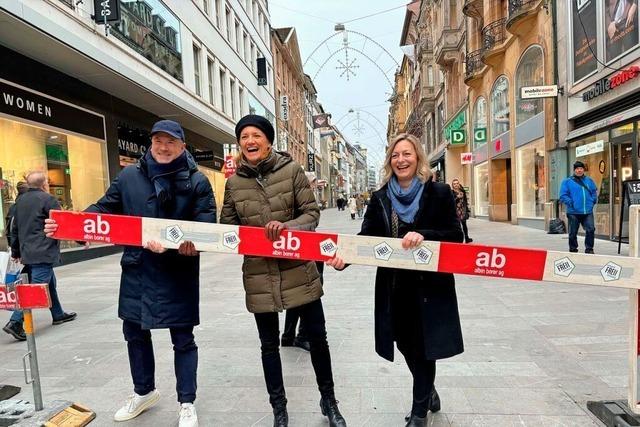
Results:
x,y
599,115
80,136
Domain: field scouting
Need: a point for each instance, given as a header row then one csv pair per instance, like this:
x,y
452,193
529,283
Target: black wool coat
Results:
x,y
159,290
436,220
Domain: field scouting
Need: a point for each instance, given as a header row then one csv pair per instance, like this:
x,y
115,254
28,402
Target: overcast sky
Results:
x,y
367,91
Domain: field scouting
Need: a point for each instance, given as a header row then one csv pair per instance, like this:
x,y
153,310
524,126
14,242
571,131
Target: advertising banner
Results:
x,y
621,27
321,121
229,166
584,38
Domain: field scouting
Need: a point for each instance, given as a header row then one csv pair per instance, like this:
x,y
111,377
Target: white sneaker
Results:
x,y
135,405
188,416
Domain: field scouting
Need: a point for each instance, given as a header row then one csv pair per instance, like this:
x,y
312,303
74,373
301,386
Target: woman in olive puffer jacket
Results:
x,y
270,190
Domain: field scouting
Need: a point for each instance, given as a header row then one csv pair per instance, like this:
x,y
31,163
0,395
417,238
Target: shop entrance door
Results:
x,y
624,164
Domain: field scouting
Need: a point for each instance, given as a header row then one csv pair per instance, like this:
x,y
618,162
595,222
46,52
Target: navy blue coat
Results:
x,y
159,290
436,294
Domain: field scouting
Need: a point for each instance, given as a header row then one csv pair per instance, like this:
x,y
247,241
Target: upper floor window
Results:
x,y
530,72
196,69
500,107
152,31
479,122
229,23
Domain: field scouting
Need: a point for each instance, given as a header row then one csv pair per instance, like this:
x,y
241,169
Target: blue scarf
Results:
x,y
405,202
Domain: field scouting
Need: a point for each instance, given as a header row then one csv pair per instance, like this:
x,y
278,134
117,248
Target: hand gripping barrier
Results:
x,y
444,257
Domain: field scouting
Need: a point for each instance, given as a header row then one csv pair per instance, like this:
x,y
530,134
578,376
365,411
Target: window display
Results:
x,y
531,180
76,166
481,189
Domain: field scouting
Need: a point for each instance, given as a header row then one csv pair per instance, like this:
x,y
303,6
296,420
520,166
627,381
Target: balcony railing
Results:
x,y
516,7
474,63
494,34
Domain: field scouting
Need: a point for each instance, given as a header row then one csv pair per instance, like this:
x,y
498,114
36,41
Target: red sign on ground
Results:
x,y
303,245
102,228
25,297
492,261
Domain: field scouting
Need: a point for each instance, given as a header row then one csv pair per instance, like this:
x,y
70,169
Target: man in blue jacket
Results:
x,y
579,194
159,288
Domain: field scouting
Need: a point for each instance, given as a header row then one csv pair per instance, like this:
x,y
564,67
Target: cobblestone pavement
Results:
x,y
534,353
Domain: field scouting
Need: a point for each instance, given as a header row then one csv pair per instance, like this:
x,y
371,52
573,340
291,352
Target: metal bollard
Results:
x,y
32,354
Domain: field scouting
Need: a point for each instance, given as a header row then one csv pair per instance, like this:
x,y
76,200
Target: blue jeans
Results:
x,y
43,273
143,365
586,220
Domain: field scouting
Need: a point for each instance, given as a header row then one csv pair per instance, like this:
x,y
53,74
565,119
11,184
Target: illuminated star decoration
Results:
x,y
347,66
358,129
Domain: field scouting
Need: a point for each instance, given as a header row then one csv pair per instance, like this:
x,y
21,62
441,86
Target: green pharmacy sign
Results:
x,y
458,137
456,124
480,135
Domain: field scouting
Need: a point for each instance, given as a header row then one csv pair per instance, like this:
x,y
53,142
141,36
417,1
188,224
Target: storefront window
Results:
x,y
481,188
500,107
480,122
531,180
593,151
217,181
153,31
76,166
530,73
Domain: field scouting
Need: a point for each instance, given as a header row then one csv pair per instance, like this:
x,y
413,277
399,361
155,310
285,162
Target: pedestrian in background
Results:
x,y
462,207
270,190
159,288
22,188
359,205
340,202
353,206
580,194
417,310
31,247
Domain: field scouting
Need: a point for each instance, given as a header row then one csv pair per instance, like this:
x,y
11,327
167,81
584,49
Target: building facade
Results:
x,y
291,86
510,46
79,102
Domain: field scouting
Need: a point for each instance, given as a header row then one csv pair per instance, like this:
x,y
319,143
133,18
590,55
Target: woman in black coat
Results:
x,y
416,310
462,207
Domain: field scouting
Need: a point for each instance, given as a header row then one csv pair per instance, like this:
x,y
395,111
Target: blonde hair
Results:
x,y
422,171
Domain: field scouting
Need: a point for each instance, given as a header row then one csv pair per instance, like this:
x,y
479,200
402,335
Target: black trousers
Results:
x,y
293,314
465,230
312,320
409,337
142,361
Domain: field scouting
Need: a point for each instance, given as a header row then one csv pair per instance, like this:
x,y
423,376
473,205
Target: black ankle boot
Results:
x,y
433,405
434,401
415,421
329,408
280,416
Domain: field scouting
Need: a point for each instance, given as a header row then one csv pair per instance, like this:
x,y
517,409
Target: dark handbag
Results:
x,y
557,226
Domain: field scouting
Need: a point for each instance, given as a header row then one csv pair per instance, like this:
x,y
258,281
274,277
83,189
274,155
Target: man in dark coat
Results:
x,y
159,288
35,250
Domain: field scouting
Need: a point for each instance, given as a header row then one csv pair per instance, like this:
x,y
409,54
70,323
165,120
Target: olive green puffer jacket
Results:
x,y
274,190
